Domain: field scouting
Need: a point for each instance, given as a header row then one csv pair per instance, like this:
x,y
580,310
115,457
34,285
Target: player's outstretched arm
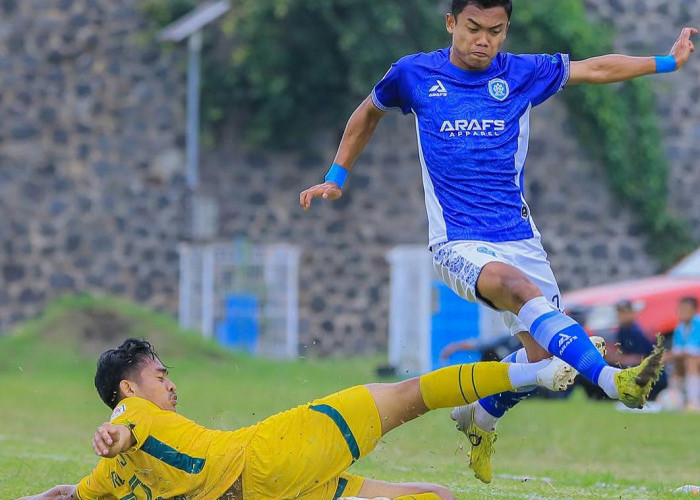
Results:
x,y
111,440
63,492
618,68
358,132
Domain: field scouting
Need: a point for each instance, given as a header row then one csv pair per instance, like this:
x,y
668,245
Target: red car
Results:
x,y
655,299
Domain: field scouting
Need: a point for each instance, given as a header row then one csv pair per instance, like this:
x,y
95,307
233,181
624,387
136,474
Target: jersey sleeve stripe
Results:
x,y
567,71
342,425
172,457
376,102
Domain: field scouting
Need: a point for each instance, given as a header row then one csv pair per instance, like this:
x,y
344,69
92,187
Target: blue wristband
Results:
x,y
665,64
337,174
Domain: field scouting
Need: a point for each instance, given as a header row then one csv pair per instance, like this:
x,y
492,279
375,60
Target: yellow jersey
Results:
x,y
173,458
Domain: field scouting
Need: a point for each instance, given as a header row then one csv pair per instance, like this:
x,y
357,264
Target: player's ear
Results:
x,y
126,387
450,23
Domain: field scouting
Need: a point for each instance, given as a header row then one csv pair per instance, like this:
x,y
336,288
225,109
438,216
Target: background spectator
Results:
x,y
628,347
632,345
685,353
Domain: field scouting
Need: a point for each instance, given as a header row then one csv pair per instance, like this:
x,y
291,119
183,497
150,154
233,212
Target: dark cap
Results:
x,y
624,305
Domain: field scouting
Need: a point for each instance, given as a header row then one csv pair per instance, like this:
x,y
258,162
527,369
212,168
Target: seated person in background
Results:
x,y
632,344
149,451
685,352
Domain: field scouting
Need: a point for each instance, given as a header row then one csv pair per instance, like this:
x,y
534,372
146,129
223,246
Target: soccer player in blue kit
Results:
x,y
472,107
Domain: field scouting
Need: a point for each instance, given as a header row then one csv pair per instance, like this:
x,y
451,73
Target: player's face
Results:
x,y
686,312
154,385
625,316
477,36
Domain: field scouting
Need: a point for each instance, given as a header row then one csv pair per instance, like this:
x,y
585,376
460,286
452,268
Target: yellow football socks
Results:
x,y
461,384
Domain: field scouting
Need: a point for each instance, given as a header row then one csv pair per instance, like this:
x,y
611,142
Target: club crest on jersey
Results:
x,y
438,90
498,88
118,411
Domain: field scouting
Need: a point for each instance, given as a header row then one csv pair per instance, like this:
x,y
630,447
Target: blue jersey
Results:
x,y
686,336
473,131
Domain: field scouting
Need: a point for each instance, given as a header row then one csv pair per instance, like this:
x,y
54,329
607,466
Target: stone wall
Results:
x,y
91,183
93,198
651,27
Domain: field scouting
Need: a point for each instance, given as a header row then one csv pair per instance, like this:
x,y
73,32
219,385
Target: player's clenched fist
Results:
x,y
328,191
108,440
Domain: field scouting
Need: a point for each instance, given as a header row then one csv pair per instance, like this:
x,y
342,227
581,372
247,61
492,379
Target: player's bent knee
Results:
x,y
521,289
506,287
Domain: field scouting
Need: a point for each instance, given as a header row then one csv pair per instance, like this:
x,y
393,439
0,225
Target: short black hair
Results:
x,y
118,364
691,301
459,5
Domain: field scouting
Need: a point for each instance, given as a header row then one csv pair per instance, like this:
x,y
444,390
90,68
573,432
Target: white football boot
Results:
x,y
559,375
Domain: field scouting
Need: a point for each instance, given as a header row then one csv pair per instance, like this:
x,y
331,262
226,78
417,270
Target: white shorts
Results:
x,y
690,350
459,264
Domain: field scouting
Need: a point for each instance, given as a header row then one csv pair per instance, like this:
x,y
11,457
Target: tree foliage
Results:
x,y
617,123
289,68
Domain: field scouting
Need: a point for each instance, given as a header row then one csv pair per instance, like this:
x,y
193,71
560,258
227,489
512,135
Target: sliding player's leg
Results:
x,y
302,453
398,403
372,488
455,386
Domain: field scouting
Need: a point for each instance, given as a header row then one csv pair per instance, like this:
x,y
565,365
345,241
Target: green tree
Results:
x,y
290,67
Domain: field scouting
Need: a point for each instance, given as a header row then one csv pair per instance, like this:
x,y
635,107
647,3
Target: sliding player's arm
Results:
x,y
111,440
618,68
358,132
63,492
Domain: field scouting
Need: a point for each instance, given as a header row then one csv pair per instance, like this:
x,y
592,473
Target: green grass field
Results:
x,y
573,449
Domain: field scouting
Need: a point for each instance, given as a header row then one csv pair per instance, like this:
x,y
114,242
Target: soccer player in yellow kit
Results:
x,y
150,452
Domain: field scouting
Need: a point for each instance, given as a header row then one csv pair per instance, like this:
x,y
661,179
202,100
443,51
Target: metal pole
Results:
x,y
185,305
195,51
208,304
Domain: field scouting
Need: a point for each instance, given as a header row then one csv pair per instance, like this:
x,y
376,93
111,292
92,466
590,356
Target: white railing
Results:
x,y
244,295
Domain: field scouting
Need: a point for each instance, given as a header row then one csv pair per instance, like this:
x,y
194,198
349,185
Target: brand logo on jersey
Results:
x,y
487,251
499,89
524,212
564,342
481,128
118,411
438,90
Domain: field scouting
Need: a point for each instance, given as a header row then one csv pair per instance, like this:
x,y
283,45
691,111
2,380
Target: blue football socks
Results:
x,y
498,404
562,337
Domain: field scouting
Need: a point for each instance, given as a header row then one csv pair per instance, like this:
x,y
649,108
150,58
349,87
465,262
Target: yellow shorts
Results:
x,y
303,452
